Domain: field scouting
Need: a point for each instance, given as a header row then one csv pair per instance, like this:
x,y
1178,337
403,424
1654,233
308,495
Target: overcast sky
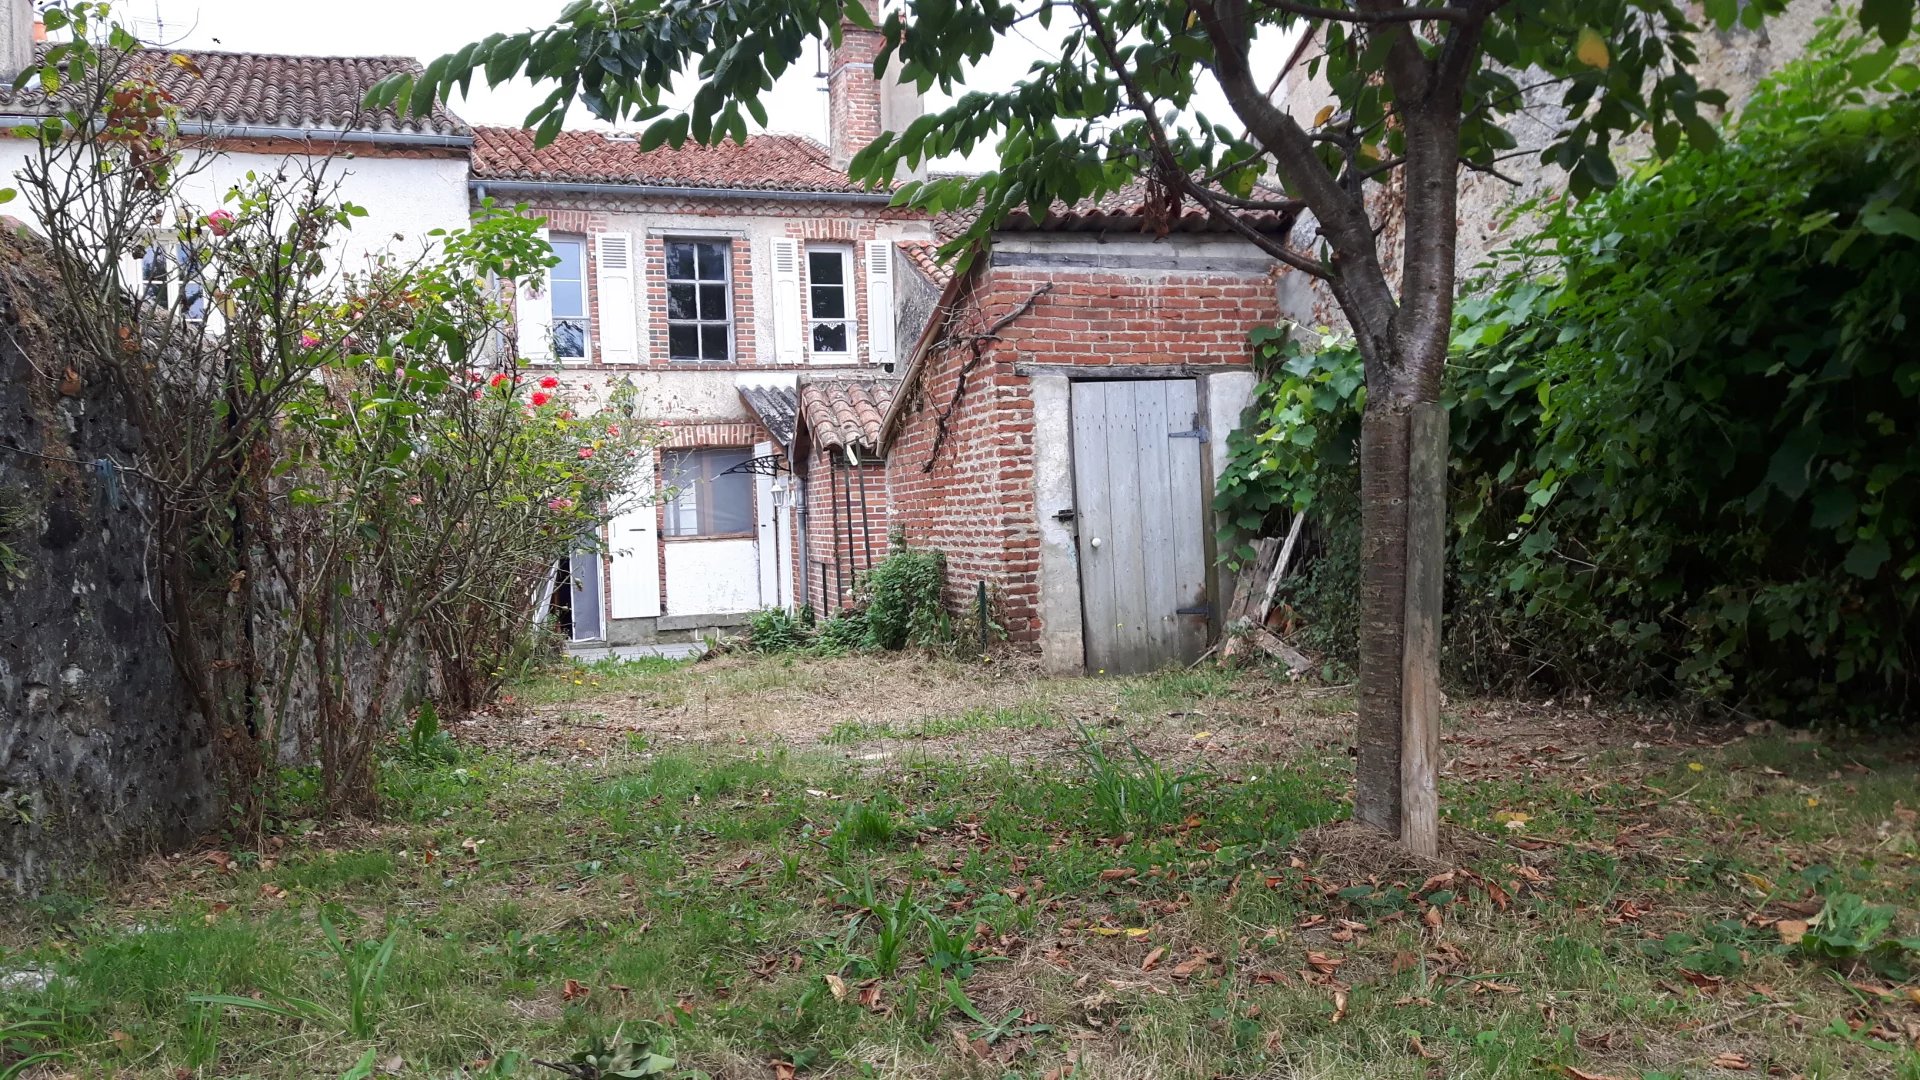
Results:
x,y
425,29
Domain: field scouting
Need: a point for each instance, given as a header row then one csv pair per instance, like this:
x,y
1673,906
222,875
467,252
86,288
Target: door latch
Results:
x,y
1066,515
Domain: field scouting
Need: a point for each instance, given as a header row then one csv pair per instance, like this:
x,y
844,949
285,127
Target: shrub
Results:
x,y
903,597
1683,460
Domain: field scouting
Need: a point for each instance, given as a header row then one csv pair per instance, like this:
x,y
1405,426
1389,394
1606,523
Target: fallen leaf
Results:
x,y
1194,964
1431,917
1339,1006
1572,1073
1270,978
1419,1048
838,986
472,845
574,990
1324,964
1790,930
1118,873
1153,959
1731,1060
782,1070
870,997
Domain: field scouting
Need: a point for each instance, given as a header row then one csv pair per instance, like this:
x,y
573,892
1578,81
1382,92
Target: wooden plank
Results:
x,y
1091,504
1124,550
1247,588
1161,632
1420,667
1280,567
1187,510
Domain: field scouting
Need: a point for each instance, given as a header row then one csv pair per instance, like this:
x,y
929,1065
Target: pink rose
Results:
x,y
560,504
308,341
613,430
220,222
586,452
413,500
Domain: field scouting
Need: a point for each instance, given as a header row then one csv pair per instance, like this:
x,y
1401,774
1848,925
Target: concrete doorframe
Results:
x,y
1224,395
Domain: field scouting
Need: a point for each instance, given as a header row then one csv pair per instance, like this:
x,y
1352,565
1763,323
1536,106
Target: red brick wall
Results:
x,y
835,533
974,496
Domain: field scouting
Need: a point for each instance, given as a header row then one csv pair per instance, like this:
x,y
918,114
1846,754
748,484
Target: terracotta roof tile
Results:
x,y
265,89
770,162
925,257
846,412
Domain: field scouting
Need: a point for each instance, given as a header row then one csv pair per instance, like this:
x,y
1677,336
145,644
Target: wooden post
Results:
x,y
1427,447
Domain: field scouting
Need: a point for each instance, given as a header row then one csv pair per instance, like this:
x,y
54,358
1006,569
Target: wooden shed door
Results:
x,y
1138,495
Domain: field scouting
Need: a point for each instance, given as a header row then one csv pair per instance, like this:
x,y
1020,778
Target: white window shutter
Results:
x,y
614,279
880,346
786,301
533,316
634,571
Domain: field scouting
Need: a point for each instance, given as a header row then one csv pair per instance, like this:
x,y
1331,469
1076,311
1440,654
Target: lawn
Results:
x,y
768,867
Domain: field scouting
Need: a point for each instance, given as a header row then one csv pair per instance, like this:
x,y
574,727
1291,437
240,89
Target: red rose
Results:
x,y
540,398
549,383
497,380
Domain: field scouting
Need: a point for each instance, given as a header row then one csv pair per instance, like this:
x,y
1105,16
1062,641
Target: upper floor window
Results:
x,y
830,301
567,288
170,278
699,300
710,498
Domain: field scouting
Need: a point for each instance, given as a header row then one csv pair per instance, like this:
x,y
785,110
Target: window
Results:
x,y
567,288
708,499
699,304
170,278
829,300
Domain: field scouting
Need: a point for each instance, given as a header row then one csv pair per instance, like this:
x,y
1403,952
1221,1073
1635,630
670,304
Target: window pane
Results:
x,y
568,303
680,260
826,267
570,339
680,302
713,301
729,495
683,342
195,298
713,262
830,337
713,343
829,302
568,251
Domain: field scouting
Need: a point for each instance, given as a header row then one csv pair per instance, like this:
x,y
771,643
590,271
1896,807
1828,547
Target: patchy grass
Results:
x,y
916,868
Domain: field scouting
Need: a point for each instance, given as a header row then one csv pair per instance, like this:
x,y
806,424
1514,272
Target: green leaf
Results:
x,y
1866,557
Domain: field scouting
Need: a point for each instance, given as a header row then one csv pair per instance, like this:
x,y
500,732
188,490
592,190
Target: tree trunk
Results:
x,y
1383,601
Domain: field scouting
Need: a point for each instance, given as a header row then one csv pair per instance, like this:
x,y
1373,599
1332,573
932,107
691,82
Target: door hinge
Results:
x,y
1197,433
1203,609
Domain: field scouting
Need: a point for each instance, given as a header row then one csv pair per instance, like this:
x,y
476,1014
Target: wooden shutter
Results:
x,y
786,302
614,278
634,569
880,348
533,316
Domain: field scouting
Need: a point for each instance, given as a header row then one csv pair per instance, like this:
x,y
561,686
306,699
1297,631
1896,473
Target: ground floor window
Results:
x,y
708,497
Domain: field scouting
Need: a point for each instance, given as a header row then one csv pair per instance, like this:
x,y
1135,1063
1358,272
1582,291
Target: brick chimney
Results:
x,y
859,106
19,29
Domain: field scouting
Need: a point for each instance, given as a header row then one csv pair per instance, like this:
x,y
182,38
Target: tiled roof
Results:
x,y
1124,210
846,412
263,89
776,406
925,257
769,162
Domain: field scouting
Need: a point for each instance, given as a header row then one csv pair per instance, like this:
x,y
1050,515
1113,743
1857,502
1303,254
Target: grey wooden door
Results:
x,y
1138,503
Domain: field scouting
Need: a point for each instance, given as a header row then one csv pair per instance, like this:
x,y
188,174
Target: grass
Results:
x,y
1145,882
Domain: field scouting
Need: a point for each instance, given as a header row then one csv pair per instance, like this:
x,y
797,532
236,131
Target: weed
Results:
x,y
1848,931
363,964
949,945
864,825
1142,796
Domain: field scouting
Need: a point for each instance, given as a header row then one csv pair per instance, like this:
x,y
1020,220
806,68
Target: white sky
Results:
x,y
425,29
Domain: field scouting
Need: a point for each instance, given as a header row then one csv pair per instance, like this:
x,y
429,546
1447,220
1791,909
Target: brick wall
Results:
x,y
971,491
842,541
